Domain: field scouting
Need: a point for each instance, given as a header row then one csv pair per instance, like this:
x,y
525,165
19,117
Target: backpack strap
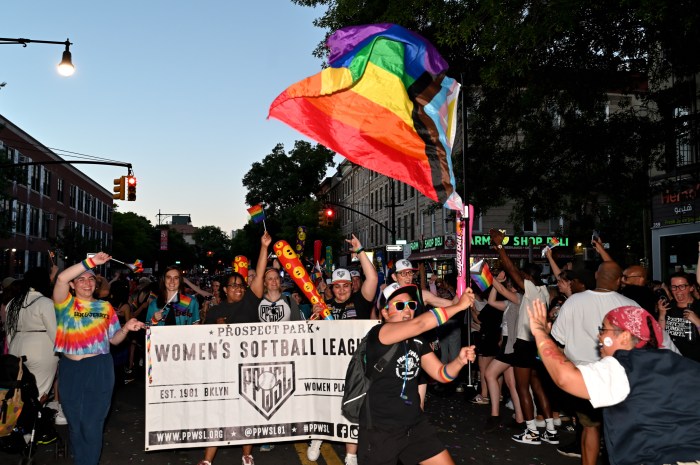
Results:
x,y
377,370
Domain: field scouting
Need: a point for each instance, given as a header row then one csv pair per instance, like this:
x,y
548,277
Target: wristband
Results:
x,y
445,375
499,246
153,320
440,315
88,264
360,249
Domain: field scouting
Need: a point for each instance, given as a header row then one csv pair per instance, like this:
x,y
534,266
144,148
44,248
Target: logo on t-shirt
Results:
x,y
407,365
271,312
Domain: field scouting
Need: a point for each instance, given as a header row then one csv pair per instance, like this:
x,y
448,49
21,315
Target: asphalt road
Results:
x,y
458,421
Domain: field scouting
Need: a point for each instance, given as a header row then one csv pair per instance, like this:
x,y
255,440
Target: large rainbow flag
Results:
x,y
383,103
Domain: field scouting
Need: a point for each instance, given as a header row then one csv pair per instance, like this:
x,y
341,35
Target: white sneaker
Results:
x,y
314,450
351,459
60,418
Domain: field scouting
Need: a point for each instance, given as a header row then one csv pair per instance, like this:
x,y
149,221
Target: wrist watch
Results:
x,y
499,246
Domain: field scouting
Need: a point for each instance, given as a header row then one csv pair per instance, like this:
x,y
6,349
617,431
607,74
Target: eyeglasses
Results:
x,y
601,330
400,306
680,287
406,273
236,286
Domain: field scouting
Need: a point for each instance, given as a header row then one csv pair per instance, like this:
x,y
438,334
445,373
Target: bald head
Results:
x,y
635,275
608,276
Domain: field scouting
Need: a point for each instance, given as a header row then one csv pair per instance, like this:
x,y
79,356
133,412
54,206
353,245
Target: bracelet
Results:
x,y
88,264
360,249
499,246
445,375
153,320
440,315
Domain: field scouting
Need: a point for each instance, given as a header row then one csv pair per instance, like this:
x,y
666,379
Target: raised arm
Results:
x,y
501,289
196,288
555,268
369,287
511,269
392,333
257,286
62,286
562,370
598,244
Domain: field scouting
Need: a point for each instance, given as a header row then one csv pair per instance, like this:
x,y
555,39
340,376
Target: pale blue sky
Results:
x,y
178,88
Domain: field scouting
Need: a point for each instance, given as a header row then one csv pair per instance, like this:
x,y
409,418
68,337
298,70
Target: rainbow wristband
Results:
x,y
445,375
88,264
440,315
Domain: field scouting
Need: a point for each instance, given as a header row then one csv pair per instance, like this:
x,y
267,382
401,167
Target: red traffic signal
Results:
x,y
330,213
131,188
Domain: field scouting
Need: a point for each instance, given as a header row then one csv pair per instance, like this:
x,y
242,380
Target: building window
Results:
x,y
398,192
35,178
21,223
398,230
60,193
46,183
556,225
684,148
413,227
73,196
476,226
45,223
405,191
34,222
81,200
529,223
432,224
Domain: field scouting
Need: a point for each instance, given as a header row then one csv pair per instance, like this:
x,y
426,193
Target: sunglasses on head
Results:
x,y
400,306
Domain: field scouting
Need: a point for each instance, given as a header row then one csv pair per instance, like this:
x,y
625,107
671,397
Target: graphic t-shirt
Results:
x,y
244,311
356,307
387,406
677,327
183,310
284,309
84,327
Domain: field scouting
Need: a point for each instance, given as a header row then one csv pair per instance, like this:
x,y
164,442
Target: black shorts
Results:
x,y
525,354
386,446
502,356
488,347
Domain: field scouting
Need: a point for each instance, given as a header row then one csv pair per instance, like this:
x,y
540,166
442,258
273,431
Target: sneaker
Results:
x,y
351,459
60,418
129,376
314,450
527,437
47,438
266,447
247,460
550,437
492,424
479,400
572,450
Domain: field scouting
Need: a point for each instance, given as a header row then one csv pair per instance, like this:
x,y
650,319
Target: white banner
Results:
x,y
210,385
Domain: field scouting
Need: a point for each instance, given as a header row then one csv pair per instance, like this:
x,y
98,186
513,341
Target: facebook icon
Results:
x,y
342,431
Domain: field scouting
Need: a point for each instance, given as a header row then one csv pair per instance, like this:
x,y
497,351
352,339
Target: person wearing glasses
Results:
x,y
399,428
239,306
680,316
634,286
645,421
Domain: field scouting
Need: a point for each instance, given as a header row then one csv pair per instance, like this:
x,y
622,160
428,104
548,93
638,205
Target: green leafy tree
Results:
x,y
213,245
537,80
283,180
134,238
73,246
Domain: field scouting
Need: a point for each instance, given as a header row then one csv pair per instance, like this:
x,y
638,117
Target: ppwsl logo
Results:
x,y
266,386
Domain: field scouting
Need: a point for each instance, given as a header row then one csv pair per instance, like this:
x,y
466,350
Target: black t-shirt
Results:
x,y
245,311
386,405
644,296
356,307
677,327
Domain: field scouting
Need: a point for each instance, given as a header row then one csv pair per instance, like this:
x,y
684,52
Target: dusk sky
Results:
x,y
180,89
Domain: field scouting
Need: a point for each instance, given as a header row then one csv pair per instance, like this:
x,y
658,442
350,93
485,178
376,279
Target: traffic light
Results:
x,y
131,188
119,188
330,215
322,218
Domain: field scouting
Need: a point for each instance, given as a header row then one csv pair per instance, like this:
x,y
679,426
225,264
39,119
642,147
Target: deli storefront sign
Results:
x,y
484,240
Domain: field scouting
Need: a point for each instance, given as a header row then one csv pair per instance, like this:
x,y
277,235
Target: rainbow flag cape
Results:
x,y
384,103
257,214
481,275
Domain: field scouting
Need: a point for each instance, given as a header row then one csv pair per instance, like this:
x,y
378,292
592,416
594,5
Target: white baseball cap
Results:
x,y
354,273
340,275
404,264
394,289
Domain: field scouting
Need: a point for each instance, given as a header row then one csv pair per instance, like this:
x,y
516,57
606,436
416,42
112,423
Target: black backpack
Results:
x,y
357,382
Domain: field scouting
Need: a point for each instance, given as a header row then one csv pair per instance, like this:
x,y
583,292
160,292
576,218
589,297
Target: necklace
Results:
x,y
602,289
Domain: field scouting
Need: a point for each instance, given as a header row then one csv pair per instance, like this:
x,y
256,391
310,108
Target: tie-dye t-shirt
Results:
x,y
84,327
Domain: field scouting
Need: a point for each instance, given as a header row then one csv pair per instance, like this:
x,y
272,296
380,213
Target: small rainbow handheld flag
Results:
x,y
257,214
481,275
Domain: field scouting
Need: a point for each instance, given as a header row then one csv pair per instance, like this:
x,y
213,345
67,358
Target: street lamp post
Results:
x,y
65,67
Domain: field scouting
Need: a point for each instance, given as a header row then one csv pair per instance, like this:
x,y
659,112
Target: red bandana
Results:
x,y
635,320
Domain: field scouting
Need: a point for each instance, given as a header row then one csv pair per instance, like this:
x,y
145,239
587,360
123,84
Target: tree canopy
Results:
x,y
568,103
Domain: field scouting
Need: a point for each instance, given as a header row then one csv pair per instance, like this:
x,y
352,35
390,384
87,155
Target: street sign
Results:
x,y
394,247
401,241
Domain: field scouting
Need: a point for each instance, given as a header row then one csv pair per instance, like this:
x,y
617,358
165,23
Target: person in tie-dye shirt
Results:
x,y
85,329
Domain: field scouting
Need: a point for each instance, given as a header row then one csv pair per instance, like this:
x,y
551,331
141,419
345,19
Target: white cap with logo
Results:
x,y
341,274
404,264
